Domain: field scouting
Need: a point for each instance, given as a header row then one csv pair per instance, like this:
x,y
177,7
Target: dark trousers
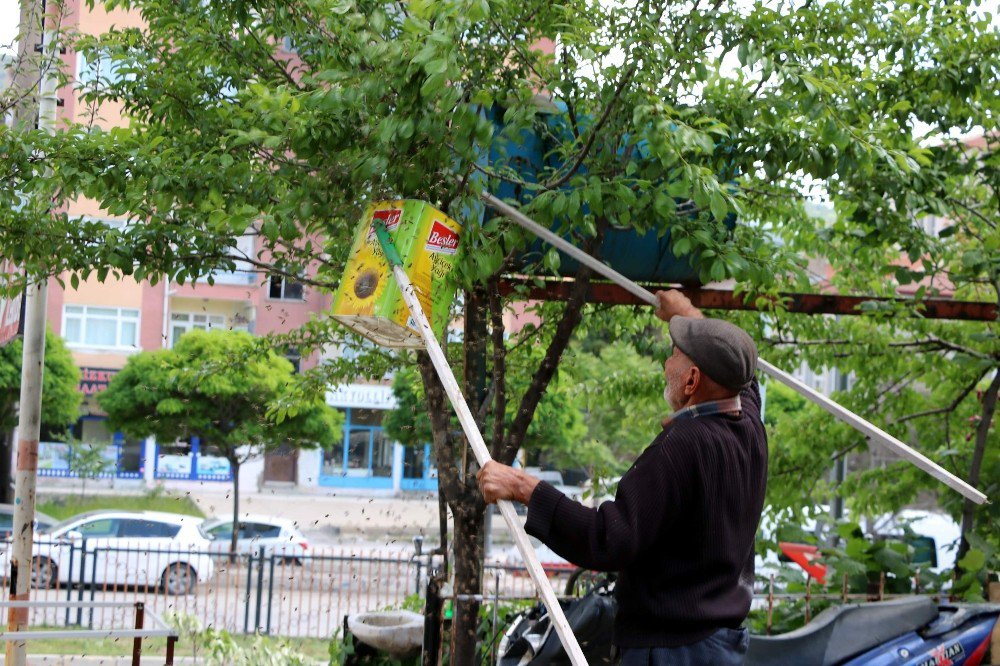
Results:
x,y
726,647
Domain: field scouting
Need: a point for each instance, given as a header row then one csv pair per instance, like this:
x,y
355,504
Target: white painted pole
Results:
x,y
33,30
26,467
556,615
876,434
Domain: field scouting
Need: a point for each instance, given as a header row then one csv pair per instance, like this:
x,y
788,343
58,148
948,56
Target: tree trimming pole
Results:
x,y
556,615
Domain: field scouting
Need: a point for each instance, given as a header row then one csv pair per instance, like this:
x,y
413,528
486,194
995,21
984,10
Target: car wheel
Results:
x,y
178,579
43,573
291,560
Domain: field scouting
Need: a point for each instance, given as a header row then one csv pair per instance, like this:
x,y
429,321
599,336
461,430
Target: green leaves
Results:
x,y
222,386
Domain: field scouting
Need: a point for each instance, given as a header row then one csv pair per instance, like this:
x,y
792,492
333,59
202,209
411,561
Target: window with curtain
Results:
x,y
91,326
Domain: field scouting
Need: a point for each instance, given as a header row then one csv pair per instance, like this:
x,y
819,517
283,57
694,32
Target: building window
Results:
x,y
295,358
243,271
98,69
285,289
182,322
89,326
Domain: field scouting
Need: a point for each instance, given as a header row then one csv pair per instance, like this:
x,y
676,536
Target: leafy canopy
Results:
x,y
218,386
61,396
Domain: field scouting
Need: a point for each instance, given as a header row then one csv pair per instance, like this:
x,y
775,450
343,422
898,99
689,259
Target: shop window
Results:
x,y
358,451
130,459
366,417
333,462
174,458
381,454
212,461
414,461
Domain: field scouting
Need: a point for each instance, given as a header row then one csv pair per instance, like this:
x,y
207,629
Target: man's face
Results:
x,y
676,369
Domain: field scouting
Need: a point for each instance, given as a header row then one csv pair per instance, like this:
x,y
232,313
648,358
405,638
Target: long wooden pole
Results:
x,y
874,433
556,615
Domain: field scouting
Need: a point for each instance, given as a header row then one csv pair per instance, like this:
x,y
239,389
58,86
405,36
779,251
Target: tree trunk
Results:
x,y
468,540
459,488
6,454
235,464
982,438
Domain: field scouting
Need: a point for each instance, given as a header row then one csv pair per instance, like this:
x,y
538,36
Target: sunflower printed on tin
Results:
x,y
368,299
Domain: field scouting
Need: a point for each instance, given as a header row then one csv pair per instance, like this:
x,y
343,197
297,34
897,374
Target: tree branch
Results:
x,y
572,315
944,410
499,366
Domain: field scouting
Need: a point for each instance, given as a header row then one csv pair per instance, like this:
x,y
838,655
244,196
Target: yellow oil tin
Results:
x,y
369,301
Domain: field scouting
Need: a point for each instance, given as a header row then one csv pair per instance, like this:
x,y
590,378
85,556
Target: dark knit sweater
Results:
x,y
680,531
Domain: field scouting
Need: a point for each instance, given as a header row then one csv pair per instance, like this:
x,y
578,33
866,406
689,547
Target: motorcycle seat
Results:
x,y
842,632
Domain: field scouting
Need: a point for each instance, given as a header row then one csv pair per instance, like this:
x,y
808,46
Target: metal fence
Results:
x,y
270,592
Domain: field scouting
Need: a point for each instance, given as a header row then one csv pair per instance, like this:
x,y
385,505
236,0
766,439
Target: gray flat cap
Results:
x,y
724,352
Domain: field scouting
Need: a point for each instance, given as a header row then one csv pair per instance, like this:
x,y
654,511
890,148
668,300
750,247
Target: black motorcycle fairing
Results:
x,y
842,632
953,616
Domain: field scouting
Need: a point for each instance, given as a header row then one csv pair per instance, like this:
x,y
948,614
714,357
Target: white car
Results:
x,y
258,534
142,548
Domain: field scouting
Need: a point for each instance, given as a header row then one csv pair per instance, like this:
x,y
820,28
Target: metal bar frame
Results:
x,y
726,299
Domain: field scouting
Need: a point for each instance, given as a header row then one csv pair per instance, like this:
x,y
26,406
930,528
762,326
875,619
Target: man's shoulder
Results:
x,y
686,435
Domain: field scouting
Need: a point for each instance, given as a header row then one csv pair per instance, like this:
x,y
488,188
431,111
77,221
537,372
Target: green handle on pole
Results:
x,y
385,240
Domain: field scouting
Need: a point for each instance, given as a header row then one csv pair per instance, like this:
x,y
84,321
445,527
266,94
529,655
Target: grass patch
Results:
x,y
313,648
62,507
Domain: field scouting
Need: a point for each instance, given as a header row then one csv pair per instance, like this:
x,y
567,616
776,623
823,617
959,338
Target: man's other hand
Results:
x,y
500,482
673,303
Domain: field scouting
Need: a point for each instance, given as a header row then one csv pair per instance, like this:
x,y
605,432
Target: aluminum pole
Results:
x,y
465,417
874,433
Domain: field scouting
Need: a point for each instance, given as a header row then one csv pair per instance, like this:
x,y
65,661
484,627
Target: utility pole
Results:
x,y
38,109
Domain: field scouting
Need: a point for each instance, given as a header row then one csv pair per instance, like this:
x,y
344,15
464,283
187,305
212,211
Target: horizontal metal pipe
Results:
x,y
86,633
726,299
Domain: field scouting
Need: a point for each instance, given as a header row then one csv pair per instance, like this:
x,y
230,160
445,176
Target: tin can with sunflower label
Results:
x,y
369,301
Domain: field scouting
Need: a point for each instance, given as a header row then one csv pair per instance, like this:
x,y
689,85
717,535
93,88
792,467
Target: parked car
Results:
x,y
7,522
142,548
258,534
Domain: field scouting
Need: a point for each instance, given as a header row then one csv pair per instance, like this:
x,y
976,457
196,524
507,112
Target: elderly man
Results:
x,y
680,531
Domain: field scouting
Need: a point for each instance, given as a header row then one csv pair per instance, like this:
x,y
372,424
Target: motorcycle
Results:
x,y
903,632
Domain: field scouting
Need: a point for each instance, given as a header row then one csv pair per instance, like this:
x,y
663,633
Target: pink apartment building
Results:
x,y
104,323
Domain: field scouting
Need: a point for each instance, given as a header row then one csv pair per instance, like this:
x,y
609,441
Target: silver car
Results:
x,y
42,521
258,535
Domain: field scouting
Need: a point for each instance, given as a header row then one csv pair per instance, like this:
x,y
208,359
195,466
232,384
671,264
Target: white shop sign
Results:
x,y
362,396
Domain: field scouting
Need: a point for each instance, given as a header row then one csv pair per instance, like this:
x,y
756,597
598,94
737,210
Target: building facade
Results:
x,y
104,323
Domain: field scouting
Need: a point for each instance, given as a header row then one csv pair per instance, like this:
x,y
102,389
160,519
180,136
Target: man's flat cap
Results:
x,y
724,352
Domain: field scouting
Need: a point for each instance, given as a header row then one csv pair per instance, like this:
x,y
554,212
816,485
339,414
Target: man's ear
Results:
x,y
693,380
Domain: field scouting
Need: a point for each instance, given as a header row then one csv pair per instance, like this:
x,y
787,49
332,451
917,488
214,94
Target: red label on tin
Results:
x,y
442,239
